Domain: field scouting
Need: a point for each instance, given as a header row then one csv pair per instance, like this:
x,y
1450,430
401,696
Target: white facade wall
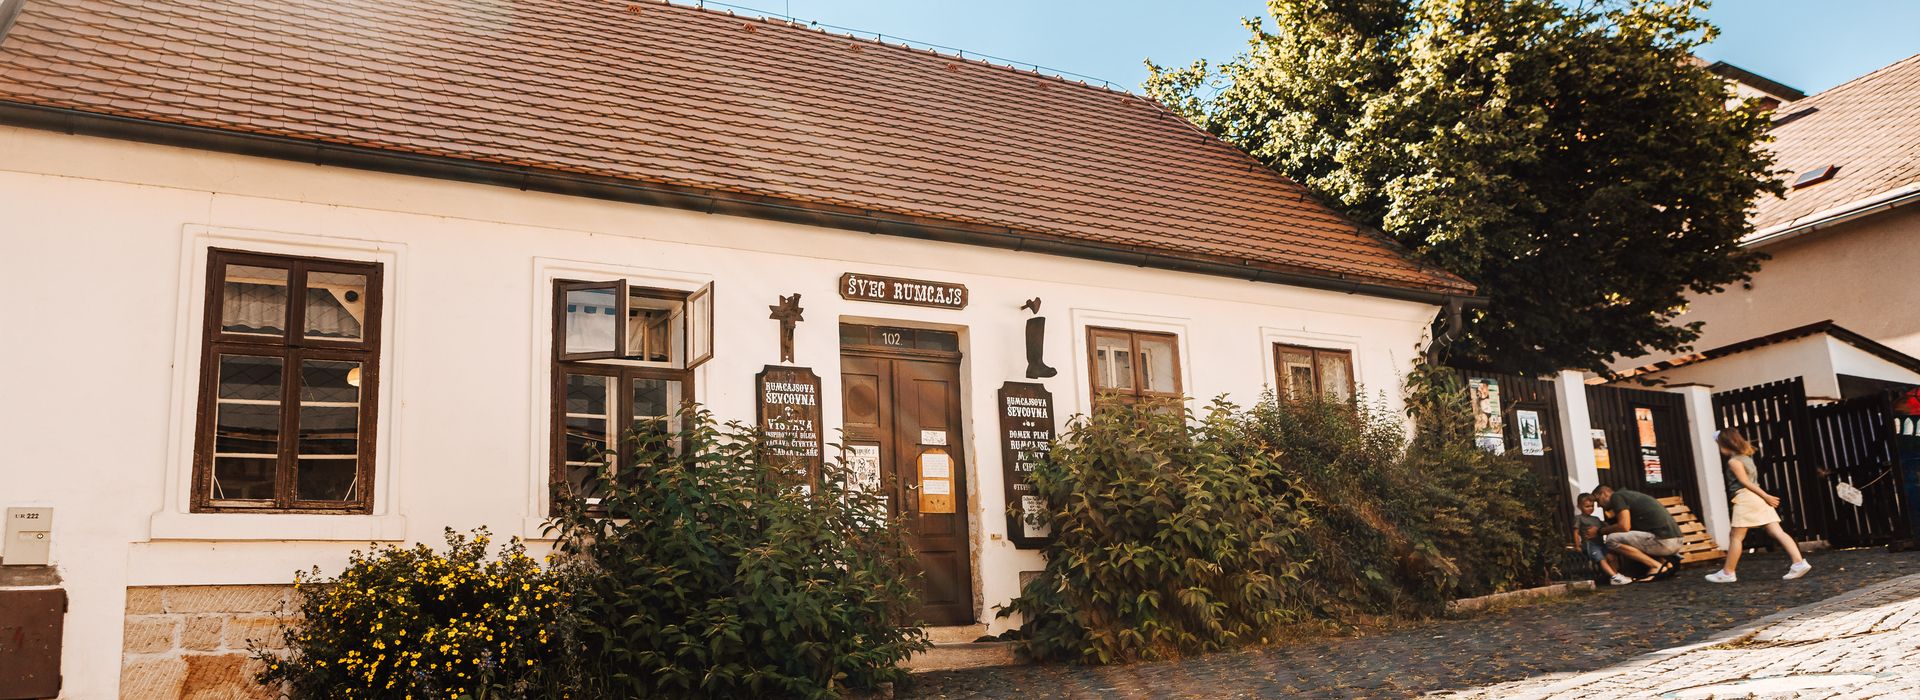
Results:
x,y
102,256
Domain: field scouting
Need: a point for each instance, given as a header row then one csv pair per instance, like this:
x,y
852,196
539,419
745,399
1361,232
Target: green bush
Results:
x,y
1167,540
705,575
411,622
1174,538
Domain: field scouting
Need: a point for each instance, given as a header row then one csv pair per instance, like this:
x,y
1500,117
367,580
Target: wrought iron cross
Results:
x,y
787,312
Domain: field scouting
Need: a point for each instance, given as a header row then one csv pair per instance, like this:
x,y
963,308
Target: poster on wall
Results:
x,y
788,413
1489,430
1649,445
1026,434
1531,443
1601,460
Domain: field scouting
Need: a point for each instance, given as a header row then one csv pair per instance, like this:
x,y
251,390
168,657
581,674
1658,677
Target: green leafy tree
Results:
x,y
1570,158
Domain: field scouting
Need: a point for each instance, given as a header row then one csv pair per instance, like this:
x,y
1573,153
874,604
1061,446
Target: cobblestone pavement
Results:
x,y
1582,634
1863,644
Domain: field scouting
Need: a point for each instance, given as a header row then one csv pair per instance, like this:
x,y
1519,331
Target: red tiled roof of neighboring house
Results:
x,y
1868,127
696,100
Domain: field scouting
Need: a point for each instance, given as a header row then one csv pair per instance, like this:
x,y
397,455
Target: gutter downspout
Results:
x,y
1452,324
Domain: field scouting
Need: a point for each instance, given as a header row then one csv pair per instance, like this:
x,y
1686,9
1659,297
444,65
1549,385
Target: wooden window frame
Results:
x,y
291,348
1313,357
622,370
1139,391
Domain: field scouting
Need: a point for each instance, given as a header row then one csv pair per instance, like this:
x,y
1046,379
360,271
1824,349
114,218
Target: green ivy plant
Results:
x,y
706,573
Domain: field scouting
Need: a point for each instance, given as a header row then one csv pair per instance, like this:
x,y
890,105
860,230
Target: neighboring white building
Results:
x,y
474,195
1840,244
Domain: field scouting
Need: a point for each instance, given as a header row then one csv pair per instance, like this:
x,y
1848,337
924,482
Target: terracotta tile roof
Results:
x,y
1869,127
680,97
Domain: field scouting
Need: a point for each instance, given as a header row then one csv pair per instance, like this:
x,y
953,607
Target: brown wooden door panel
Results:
x,y
889,401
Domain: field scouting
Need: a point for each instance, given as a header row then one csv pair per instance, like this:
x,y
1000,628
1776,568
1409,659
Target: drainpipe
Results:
x,y
1452,324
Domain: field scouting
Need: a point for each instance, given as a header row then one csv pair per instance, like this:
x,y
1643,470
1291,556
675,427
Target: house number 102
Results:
x,y
889,338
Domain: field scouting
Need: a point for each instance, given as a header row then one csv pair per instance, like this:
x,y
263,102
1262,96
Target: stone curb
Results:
x,y
1552,590
1571,681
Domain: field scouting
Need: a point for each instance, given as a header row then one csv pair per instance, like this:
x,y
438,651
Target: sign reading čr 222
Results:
x,y
895,290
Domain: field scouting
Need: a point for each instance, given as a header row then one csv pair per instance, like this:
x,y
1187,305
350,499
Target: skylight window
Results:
x,y
1815,176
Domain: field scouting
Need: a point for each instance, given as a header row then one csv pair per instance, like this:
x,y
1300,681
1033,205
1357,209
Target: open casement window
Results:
x,y
1131,366
611,320
288,385
623,357
1313,372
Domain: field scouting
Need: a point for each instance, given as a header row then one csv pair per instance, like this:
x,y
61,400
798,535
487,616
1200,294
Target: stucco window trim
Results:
x,y
1356,357
175,519
547,271
1085,319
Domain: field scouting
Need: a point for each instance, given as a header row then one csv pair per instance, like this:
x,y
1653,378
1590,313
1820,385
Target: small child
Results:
x,y
1586,531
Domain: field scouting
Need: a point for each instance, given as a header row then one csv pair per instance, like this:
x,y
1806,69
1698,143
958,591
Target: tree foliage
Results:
x,y
1570,158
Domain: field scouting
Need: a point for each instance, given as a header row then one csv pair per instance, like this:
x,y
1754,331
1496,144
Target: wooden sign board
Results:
x,y
789,415
1026,434
896,290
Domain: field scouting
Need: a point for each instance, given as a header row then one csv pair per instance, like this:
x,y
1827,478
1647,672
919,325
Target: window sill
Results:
x,y
278,526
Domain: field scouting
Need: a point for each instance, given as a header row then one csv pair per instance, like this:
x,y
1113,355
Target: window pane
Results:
x,y
1157,370
254,301
655,402
1336,375
336,305
1296,373
246,430
653,329
329,431
944,341
588,400
328,479
243,477
1113,362
591,321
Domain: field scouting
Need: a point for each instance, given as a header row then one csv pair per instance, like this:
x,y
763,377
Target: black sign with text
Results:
x,y
1026,434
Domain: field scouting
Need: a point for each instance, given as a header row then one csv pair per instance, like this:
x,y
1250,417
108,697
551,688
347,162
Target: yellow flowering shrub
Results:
x,y
416,623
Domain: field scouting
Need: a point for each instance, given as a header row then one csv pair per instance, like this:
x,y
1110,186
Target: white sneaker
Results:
x,y
1722,577
1799,569
1621,580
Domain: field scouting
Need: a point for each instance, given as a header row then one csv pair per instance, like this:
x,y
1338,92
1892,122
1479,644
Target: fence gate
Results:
x,y
1856,445
1648,446
1775,418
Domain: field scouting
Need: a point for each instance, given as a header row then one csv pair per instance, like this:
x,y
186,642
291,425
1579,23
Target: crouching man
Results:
x,y
1641,530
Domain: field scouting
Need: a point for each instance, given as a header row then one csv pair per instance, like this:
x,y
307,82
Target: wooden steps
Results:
x,y
1699,545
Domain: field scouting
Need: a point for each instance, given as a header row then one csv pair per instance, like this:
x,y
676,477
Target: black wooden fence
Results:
x,y
1617,411
1855,440
1517,394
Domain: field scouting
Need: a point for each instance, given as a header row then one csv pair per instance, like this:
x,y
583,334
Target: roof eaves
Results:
x,y
1827,327
74,121
1857,209
1757,81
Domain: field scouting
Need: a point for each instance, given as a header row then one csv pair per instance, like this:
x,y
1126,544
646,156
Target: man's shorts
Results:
x,y
1646,542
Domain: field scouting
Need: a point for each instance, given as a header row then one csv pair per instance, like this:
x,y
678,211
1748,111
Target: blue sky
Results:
x,y
1808,44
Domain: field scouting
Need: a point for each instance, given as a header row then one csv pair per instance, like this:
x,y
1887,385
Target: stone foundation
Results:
x,y
191,641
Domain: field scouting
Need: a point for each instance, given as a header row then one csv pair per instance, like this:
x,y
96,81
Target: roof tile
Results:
x,y
678,96
1869,127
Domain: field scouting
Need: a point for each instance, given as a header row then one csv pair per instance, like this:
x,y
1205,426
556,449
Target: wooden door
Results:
x,y
903,407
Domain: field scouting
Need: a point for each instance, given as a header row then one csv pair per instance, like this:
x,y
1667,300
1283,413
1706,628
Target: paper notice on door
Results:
x,y
933,437
935,465
937,487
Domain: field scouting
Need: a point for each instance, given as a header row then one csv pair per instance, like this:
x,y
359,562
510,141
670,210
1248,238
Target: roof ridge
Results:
x,y
815,26
1860,78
